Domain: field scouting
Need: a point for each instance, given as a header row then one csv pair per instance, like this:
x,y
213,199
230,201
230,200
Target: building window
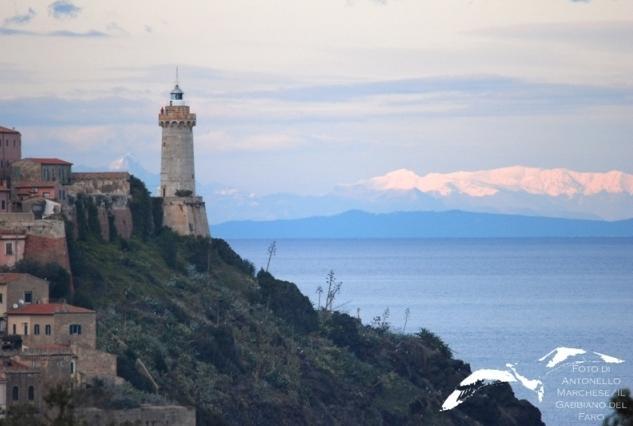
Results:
x,y
72,367
31,393
28,297
75,329
36,329
4,205
1,297
47,329
26,328
15,393
8,247
15,329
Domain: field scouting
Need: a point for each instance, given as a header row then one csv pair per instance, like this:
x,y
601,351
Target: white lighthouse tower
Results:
x,y
183,211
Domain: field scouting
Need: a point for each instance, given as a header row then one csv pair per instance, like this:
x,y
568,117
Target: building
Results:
x,y
24,190
5,196
53,323
12,246
10,150
42,241
21,289
41,170
183,211
19,384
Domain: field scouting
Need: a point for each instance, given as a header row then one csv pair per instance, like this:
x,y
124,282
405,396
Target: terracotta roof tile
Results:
x,y
48,309
49,161
8,277
7,130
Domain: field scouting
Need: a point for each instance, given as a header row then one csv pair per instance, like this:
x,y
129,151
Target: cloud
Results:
x,y
21,19
214,141
57,111
604,35
447,96
61,9
61,33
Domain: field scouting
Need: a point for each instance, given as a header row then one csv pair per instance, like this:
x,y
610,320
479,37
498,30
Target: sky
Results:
x,y
299,96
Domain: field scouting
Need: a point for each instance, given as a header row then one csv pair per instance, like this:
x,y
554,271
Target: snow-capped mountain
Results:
x,y
485,183
513,190
129,163
517,189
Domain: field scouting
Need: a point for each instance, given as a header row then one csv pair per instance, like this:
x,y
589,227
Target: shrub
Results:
x,y
226,253
157,212
196,252
342,329
217,346
167,242
287,302
434,341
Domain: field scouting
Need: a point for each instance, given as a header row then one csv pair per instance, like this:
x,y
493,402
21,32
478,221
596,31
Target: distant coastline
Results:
x,y
424,224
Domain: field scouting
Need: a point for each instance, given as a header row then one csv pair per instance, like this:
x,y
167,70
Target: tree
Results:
x,y
60,400
22,414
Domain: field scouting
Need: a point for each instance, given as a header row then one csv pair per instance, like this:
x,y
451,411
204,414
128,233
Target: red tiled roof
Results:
x,y
48,309
7,130
49,161
8,277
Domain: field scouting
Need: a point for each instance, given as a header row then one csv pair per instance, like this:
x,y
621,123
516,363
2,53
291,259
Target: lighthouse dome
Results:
x,y
176,96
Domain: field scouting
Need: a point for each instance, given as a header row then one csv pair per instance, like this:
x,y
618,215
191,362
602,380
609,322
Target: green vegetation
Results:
x,y
251,349
191,322
622,404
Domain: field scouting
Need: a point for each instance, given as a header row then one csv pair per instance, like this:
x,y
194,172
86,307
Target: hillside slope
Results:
x,y
248,349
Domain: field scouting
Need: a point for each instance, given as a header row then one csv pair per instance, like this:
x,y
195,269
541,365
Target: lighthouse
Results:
x,y
183,210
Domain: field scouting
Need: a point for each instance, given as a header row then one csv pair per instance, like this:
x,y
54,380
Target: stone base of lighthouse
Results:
x,y
186,216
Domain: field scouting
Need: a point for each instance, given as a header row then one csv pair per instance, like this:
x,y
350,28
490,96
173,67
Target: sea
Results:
x,y
501,304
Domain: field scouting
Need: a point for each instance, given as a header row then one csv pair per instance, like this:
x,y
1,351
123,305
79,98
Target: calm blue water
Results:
x,y
493,301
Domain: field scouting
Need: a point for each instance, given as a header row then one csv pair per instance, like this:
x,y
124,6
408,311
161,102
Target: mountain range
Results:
x,y
447,224
521,190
